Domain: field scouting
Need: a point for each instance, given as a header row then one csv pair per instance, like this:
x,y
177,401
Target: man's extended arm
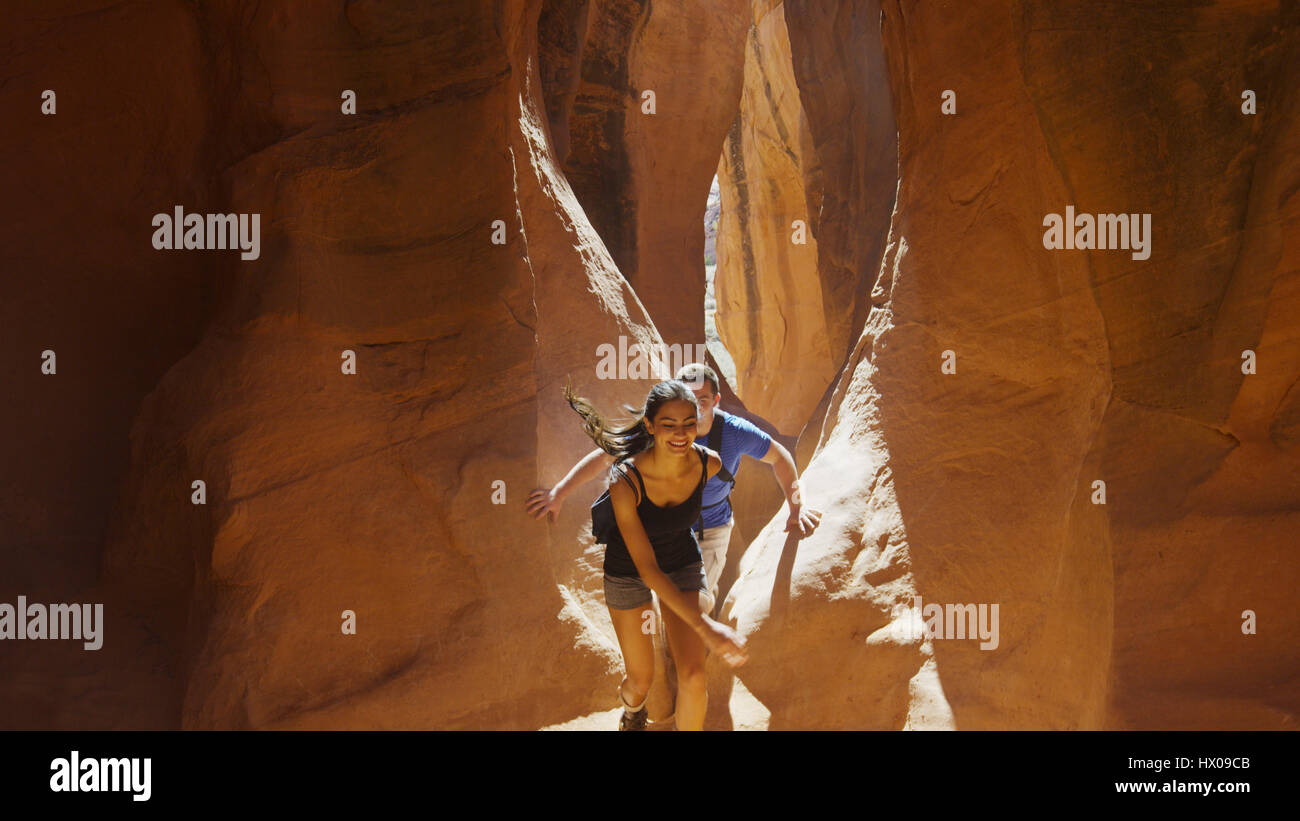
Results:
x,y
787,476
545,501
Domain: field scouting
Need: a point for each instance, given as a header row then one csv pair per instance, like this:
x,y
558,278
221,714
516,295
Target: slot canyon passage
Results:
x,y
373,492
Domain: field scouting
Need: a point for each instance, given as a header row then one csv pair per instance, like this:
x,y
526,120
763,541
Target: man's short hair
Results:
x,y
695,371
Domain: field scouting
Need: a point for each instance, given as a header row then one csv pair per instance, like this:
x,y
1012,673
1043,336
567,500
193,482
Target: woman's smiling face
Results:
x,y
674,426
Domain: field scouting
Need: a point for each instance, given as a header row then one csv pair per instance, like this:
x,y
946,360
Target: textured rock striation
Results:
x,y
770,313
1071,367
644,178
790,306
371,493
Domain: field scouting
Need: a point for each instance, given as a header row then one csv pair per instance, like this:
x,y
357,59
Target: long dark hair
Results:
x,y
622,442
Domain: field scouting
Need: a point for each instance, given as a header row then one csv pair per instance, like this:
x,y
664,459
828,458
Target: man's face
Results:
x,y
707,399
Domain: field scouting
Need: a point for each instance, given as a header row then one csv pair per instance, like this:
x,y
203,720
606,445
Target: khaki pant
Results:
x,y
713,549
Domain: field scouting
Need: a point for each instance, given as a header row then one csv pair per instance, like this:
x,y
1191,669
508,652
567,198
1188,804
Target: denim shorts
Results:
x,y
630,592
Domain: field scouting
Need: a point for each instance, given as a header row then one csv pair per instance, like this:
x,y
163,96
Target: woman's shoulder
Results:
x,y
622,484
626,466
710,458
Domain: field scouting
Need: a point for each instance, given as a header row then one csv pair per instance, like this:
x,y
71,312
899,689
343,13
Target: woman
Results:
x,y
656,498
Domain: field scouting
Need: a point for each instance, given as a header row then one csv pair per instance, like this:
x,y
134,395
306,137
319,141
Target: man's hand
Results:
x,y
803,520
544,502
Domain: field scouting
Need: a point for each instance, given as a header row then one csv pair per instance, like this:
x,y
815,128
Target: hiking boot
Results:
x,y
634,721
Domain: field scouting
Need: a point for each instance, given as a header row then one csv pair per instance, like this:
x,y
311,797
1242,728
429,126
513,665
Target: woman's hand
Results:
x,y
723,641
544,502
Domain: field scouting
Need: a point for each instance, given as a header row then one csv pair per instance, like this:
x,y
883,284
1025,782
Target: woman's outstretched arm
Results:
x,y
544,501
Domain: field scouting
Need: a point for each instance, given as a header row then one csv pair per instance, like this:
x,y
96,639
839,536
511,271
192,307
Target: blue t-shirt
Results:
x,y
739,437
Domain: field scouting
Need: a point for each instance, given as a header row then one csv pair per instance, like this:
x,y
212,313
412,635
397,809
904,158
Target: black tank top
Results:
x,y
669,529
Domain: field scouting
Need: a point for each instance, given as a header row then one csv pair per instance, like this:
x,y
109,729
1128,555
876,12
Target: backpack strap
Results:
x,y
620,468
715,445
715,435
638,480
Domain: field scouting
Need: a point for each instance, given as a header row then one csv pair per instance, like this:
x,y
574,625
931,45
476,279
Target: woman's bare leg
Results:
x,y
689,653
638,651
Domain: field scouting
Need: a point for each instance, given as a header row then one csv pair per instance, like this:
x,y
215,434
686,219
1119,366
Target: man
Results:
x,y
739,437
